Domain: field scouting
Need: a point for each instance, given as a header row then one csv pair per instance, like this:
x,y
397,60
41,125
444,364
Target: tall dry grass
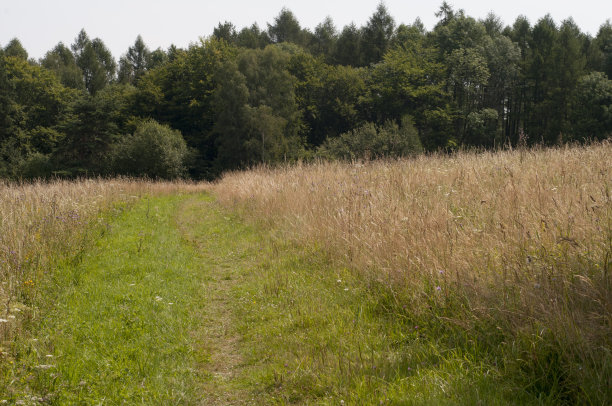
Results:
x,y
43,222
519,241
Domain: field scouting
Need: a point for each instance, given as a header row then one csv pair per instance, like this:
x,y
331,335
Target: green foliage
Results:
x,y
439,130
93,123
348,47
36,166
32,105
592,112
257,116
407,81
253,37
44,139
9,115
37,96
408,35
62,62
16,50
493,25
570,63
455,30
95,61
503,57
469,75
226,32
377,35
181,92
604,44
329,97
286,28
154,150
324,39
541,72
482,128
11,157
371,142
231,99
266,135
157,58
280,102
135,62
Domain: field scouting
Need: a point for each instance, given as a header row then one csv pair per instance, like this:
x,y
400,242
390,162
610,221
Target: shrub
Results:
x,y
482,128
371,141
154,150
592,115
36,165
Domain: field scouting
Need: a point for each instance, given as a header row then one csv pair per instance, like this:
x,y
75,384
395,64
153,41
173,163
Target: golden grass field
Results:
x,y
518,240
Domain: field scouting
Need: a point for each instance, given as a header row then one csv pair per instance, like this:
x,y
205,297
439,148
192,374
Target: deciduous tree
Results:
x,y
61,61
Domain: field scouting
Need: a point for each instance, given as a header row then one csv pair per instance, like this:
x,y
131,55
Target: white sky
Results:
x,y
41,24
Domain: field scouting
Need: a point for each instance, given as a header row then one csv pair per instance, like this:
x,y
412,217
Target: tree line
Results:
x,y
242,97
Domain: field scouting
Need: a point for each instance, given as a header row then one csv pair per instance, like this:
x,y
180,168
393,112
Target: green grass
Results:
x,y
118,322
312,332
181,302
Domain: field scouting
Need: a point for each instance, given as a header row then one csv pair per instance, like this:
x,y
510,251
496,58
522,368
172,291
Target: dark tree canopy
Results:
x,y
95,61
62,61
225,31
377,35
286,28
135,62
16,50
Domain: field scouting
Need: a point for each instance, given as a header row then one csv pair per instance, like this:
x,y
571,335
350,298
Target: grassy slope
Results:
x,y
253,319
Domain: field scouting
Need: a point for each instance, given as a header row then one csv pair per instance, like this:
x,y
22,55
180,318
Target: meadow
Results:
x,y
472,278
506,254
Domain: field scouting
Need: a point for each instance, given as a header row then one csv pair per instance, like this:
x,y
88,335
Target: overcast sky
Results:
x,y
41,24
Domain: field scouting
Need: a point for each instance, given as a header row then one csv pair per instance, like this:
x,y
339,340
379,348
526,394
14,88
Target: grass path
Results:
x,y
286,325
201,223
180,302
123,325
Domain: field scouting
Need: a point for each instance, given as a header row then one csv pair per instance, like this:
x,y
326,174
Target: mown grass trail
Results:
x,y
180,302
119,321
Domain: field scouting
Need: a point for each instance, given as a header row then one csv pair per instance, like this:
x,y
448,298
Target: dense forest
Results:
x,y
241,97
